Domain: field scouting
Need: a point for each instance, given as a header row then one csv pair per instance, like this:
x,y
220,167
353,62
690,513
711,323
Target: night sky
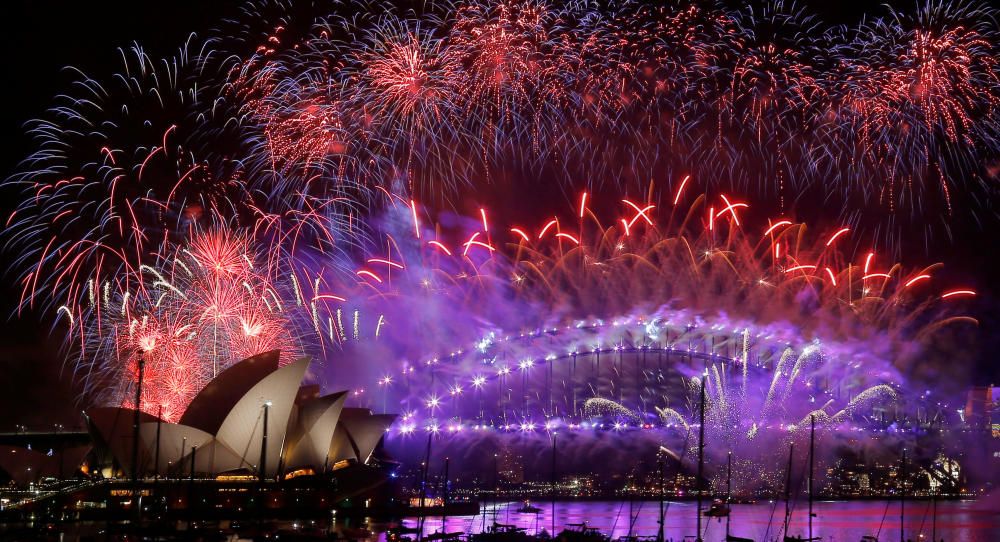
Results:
x,y
42,36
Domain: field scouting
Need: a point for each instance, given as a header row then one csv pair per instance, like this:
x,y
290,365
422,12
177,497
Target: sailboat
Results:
x,y
720,508
788,512
580,532
527,508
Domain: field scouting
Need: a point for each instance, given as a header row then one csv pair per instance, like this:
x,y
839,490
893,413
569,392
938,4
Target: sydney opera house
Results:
x,y
255,431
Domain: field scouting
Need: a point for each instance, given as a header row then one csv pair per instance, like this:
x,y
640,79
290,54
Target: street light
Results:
x,y
385,383
263,444
478,382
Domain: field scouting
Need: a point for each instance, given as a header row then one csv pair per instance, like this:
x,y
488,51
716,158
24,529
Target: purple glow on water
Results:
x,y
957,521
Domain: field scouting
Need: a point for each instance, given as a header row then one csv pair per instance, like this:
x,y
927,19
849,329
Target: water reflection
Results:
x,y
962,521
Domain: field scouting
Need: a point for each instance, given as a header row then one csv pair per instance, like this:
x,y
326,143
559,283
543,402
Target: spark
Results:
x,y
834,237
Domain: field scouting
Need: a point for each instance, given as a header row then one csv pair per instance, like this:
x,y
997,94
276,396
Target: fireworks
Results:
x,y
218,299
201,308
687,274
315,115
888,120
286,184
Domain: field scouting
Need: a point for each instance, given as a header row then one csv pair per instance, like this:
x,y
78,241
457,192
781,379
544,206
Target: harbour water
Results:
x,y
835,521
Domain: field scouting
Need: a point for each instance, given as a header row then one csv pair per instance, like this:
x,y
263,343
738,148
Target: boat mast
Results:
x,y
444,496
553,485
137,494
902,494
934,517
701,452
788,489
480,500
729,490
663,468
423,487
631,506
812,451
496,487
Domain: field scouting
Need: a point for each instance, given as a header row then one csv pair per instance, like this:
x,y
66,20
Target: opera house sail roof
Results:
x,y
224,428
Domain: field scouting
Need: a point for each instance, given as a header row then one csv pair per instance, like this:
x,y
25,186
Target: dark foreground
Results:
x,y
956,521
